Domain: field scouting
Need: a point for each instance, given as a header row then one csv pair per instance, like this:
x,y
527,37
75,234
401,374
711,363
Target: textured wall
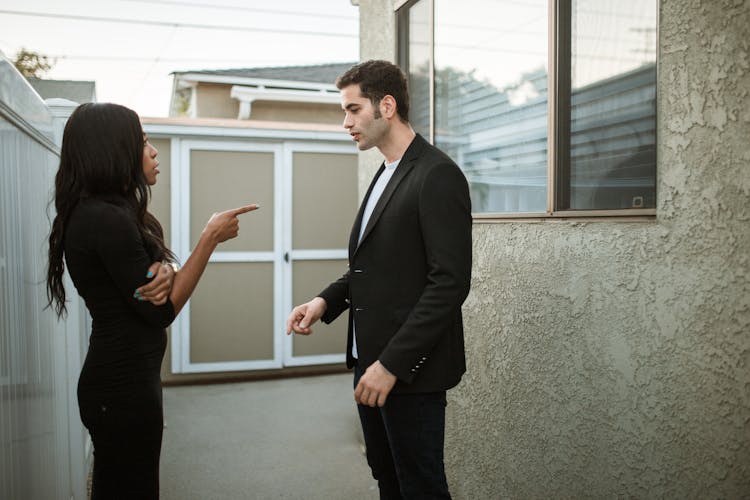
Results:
x,y
377,34
612,359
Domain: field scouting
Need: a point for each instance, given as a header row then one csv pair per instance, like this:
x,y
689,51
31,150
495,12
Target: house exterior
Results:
x,y
304,94
608,326
79,91
272,136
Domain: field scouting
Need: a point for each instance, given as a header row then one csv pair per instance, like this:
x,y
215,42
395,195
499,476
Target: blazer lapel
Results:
x,y
404,167
354,236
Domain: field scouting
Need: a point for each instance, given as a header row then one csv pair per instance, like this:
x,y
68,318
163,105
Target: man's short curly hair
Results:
x,y
376,79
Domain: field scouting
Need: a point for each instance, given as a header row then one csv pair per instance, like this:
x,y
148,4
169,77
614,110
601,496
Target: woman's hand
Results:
x,y
225,225
220,227
157,290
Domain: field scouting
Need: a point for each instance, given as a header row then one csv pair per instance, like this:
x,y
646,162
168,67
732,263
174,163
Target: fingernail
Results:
x,y
149,274
141,299
136,294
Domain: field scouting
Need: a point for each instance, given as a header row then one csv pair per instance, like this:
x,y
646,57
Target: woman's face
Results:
x,y
150,163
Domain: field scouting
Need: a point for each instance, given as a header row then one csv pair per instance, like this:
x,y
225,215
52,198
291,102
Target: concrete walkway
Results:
x,y
295,438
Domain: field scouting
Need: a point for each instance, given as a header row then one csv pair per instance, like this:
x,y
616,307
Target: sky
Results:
x,y
130,47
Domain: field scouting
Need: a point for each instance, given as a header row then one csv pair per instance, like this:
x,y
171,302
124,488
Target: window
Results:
x,y
549,107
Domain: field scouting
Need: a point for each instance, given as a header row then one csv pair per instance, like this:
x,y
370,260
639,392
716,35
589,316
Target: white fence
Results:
x,y
44,451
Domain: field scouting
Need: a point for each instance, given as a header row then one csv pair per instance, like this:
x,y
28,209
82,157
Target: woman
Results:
x,y
109,241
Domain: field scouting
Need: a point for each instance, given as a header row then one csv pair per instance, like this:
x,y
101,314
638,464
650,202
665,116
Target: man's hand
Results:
x,y
374,385
157,290
304,316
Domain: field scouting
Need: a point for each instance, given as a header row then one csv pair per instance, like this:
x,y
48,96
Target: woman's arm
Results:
x,y
157,290
220,227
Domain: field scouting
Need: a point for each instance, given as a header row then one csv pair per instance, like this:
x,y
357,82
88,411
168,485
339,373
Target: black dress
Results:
x,y
119,390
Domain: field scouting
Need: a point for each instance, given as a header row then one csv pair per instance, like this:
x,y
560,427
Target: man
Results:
x,y
409,273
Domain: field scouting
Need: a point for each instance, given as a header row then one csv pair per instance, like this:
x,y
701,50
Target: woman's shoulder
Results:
x,y
103,210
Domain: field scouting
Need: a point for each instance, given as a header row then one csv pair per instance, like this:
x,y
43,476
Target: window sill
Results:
x,y
629,215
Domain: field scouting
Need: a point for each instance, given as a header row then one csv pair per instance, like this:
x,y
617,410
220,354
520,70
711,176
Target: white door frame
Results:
x,y
180,188
290,148
283,152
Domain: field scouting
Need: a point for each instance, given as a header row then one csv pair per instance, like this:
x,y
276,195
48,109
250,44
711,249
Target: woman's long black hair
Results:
x,y
101,156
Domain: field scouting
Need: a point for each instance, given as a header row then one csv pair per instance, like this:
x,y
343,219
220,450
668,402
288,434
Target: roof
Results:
x,y
73,90
321,73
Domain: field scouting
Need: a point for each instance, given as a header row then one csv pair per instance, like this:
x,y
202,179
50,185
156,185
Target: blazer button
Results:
x,y
358,271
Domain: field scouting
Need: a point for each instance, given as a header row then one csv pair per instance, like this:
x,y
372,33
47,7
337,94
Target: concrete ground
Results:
x,y
294,438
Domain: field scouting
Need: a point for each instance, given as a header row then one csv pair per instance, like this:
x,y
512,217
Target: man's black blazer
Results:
x,y
410,273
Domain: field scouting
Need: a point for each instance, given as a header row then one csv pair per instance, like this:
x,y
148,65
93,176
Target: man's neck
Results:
x,y
398,140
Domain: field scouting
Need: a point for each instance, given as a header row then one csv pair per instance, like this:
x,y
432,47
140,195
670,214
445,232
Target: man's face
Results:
x,y
364,121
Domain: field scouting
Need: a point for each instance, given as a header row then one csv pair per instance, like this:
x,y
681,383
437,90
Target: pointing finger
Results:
x,y
245,209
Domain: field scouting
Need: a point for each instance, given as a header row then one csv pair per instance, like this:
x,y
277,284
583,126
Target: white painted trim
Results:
x,y
257,82
286,214
181,225
290,148
243,257
313,96
175,208
322,254
280,134
279,312
322,359
232,366
181,246
283,150
248,95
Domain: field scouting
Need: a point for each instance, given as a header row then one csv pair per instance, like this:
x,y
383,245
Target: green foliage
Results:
x,y
32,64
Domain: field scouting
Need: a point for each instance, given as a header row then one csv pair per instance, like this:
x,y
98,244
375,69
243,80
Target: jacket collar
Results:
x,y
408,160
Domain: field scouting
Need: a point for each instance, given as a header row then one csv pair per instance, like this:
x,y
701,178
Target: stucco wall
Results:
x,y
377,34
612,359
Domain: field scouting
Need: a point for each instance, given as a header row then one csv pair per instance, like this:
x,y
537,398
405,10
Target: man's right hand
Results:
x,y
304,316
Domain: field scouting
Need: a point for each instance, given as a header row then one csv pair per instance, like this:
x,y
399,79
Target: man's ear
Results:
x,y
388,107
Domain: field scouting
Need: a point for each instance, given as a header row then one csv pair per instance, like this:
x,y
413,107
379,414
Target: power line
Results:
x,y
77,57
176,24
245,9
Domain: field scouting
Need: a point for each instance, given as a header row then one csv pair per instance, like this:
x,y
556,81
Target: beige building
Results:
x,y
302,94
272,136
608,326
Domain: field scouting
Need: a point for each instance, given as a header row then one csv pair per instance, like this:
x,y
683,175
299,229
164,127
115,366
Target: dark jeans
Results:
x,y
404,441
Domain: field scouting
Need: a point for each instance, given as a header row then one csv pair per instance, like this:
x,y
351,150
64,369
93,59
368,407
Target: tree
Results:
x,y
32,64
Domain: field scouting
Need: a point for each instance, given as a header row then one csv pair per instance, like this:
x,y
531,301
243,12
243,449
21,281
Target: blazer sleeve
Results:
x,y
119,244
445,220
336,296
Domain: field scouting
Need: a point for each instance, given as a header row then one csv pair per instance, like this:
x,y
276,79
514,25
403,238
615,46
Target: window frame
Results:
x,y
558,115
